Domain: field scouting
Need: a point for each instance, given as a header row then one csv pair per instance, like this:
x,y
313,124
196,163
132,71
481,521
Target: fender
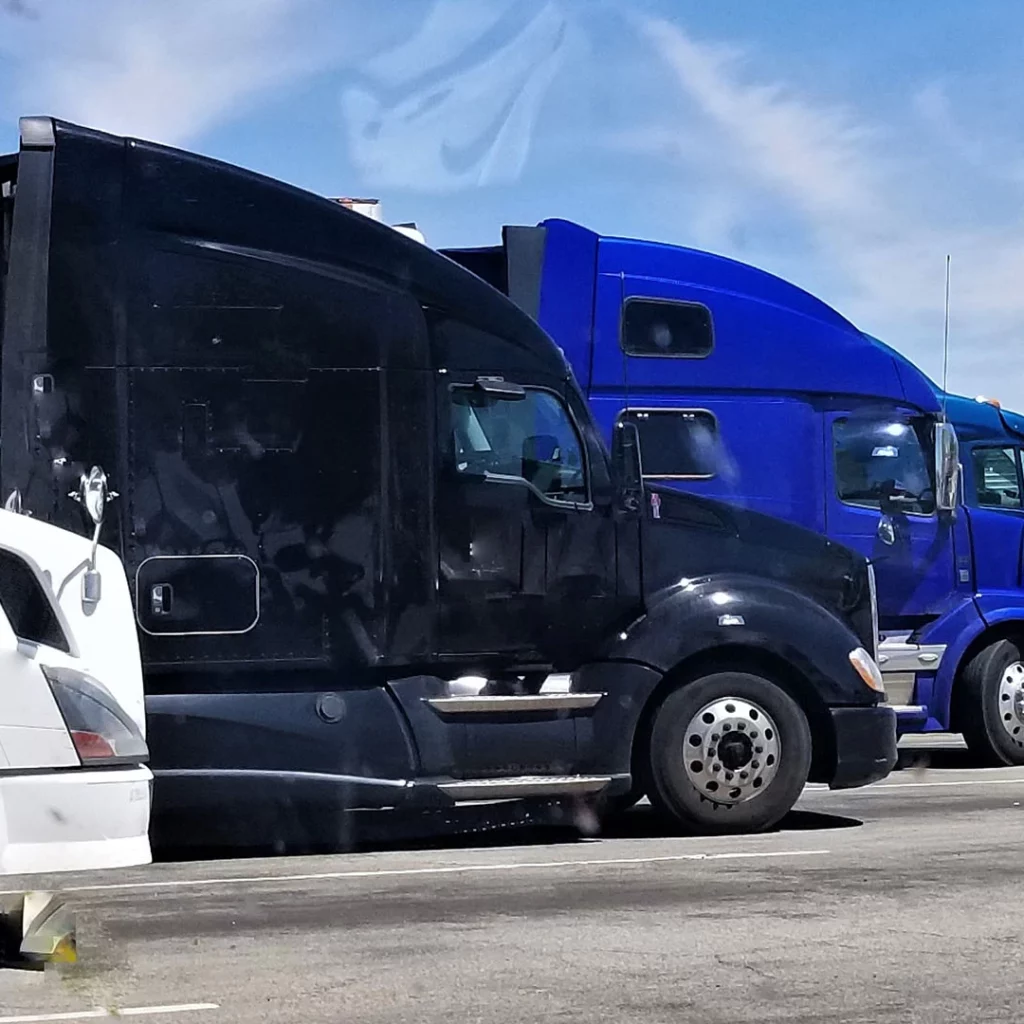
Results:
x,y
736,609
989,611
958,629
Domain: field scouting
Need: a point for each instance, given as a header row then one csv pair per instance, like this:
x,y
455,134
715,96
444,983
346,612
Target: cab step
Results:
x,y
521,786
506,704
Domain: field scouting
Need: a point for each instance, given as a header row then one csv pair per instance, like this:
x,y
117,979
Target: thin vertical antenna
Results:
x,y
622,339
945,344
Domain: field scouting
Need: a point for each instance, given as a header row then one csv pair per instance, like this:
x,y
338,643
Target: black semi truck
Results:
x,y
381,556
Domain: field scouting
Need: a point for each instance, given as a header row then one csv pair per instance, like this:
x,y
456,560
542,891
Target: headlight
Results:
x,y
867,669
100,730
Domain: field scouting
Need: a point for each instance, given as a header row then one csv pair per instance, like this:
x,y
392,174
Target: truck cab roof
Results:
x,y
769,334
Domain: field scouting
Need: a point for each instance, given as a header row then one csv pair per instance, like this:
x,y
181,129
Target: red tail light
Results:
x,y
91,745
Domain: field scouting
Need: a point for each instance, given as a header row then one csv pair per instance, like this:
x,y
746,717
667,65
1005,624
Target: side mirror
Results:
x,y
93,495
13,503
886,531
626,465
947,467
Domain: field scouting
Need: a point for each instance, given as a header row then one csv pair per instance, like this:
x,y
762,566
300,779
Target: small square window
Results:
x,y
654,327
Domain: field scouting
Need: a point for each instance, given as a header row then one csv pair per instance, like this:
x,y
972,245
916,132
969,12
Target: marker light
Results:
x,y
867,669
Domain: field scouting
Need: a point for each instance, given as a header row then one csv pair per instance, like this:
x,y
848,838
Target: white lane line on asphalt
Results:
x,y
458,869
125,1011
140,1011
867,790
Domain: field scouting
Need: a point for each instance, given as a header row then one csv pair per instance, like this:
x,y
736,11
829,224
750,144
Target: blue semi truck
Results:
x,y
747,388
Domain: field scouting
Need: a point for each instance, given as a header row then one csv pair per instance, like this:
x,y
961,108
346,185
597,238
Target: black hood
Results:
x,y
688,536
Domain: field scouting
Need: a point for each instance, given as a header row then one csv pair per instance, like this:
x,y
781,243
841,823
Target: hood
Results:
x,y
686,536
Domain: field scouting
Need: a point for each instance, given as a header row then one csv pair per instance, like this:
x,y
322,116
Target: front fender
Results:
x,y
958,629
747,611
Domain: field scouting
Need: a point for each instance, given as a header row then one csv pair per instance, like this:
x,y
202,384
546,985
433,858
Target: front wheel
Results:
x,y
991,704
729,752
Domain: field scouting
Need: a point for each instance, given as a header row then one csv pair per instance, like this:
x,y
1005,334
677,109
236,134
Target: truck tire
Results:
x,y
729,752
991,704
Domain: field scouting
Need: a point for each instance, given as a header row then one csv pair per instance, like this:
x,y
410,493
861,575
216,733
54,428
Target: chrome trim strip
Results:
x,y
524,786
915,710
873,592
557,682
898,656
899,686
511,704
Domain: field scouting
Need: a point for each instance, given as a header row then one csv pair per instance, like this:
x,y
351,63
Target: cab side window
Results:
x,y
529,439
996,477
882,463
659,327
25,602
677,444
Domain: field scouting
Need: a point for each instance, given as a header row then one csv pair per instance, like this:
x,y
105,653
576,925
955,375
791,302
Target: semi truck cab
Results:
x,y
381,556
748,389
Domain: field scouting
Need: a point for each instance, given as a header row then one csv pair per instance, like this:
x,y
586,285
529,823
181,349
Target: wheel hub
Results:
x,y
1011,702
732,750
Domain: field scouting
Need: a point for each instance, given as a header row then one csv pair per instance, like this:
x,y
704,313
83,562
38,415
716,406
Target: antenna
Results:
x,y
945,344
622,340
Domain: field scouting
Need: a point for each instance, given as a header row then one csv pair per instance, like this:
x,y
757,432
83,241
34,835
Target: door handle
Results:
x,y
161,598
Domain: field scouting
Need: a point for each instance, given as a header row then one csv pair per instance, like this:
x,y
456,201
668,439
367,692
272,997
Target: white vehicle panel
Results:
x,y
32,730
103,635
74,821
55,814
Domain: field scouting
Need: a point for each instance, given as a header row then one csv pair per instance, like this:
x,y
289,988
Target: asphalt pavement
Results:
x,y
894,903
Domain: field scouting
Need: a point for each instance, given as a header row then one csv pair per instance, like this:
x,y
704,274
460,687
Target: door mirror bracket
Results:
x,y
627,467
93,495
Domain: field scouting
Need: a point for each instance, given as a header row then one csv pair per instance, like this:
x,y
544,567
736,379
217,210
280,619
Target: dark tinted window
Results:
x,y
31,615
676,443
996,484
882,463
532,439
657,328
6,223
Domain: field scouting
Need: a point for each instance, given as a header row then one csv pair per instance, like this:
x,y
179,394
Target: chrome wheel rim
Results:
x,y
1011,702
732,750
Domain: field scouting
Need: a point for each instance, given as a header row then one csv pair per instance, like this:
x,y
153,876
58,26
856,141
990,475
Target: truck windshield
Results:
x,y
882,463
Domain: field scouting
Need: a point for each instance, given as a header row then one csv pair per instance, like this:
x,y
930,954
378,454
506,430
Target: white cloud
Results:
x,y
440,113
166,71
881,217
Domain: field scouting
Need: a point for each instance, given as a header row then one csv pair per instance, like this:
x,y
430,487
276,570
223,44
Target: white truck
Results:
x,y
74,785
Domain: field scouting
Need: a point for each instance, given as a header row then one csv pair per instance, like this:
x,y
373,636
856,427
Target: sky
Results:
x,y
847,146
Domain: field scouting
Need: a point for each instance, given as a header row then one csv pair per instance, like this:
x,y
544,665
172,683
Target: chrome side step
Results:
x,y
519,787
504,704
910,710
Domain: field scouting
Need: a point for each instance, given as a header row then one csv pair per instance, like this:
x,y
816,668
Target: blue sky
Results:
x,y
845,145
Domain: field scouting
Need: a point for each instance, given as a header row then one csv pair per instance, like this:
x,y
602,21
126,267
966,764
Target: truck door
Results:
x,y
880,500
526,554
996,516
